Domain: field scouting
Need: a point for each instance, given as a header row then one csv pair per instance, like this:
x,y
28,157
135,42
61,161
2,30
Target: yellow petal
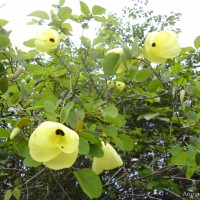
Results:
x,y
159,46
120,85
62,161
47,40
42,154
109,161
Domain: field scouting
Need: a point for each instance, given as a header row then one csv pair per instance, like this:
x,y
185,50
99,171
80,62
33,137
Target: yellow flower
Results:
x,y
159,46
120,85
110,159
110,84
47,40
14,132
55,145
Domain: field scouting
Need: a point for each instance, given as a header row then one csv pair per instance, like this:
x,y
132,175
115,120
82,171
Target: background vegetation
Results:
x,y
154,130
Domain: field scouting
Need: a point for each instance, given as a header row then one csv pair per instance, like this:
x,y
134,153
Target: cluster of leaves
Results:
x,y
154,131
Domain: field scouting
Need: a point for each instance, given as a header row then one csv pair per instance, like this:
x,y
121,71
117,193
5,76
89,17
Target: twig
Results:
x,y
167,190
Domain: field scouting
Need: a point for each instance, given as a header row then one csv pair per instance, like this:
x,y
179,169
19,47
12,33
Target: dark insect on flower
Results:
x,y
51,40
60,132
153,44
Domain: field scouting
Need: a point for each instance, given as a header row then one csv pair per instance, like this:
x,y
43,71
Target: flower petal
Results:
x,y
62,161
42,154
109,161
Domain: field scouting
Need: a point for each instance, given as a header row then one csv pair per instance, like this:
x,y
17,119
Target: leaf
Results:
x,y
98,10
23,122
4,40
154,85
84,8
109,130
197,158
118,121
3,84
142,75
191,115
127,142
61,2
65,112
2,68
29,162
29,43
84,147
4,133
189,172
3,22
49,106
85,41
111,111
64,13
17,193
91,136
39,13
111,63
8,195
89,182
96,151
197,42
31,54
150,116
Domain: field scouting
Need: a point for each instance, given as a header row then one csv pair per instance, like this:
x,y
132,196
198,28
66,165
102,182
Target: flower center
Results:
x,y
60,132
51,40
153,44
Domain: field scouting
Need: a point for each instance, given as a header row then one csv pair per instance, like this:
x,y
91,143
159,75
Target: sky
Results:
x,y
16,11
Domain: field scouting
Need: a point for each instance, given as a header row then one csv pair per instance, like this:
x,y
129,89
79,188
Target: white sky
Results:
x,y
16,11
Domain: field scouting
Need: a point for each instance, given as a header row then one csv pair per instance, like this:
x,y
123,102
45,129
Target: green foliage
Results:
x,y
154,131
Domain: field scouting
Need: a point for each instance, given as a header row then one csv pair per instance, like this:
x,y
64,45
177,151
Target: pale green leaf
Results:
x,y
154,85
39,13
197,42
64,13
8,195
142,75
65,112
16,193
84,8
127,142
83,146
3,22
111,111
98,10
3,84
89,182
4,40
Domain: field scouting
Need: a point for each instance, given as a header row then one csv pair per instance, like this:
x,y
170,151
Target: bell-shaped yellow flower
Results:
x,y
54,144
47,40
110,159
120,85
159,46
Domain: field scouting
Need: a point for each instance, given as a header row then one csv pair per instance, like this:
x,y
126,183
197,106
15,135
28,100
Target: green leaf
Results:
x,y
111,63
64,13
85,41
118,121
84,8
89,182
189,172
142,75
3,22
2,68
179,159
49,106
109,130
65,112
191,115
91,136
111,111
61,2
197,42
8,195
84,147
150,116
3,84
127,142
197,158
29,162
4,133
4,40
39,13
98,10
31,54
96,151
16,193
154,85
29,43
